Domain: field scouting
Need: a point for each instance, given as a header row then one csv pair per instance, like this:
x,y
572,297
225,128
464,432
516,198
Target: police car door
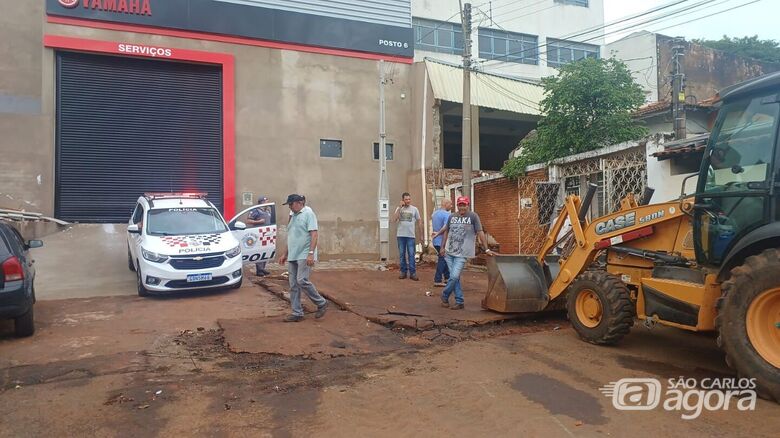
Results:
x,y
258,241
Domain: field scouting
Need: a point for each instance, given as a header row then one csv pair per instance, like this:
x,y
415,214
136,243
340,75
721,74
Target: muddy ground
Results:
x,y
223,364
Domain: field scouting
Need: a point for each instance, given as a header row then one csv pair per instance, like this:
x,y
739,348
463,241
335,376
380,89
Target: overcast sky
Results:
x,y
758,18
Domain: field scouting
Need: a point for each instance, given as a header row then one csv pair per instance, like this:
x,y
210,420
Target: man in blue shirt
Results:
x,y
300,256
439,219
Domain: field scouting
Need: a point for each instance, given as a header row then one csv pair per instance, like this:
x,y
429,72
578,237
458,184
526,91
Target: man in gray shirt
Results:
x,y
408,218
458,245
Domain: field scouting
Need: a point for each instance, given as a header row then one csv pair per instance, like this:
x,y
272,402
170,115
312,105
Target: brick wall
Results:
x,y
496,203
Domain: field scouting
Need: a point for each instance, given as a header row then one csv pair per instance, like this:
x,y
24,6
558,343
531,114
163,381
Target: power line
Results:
x,y
447,21
663,17
504,13
680,24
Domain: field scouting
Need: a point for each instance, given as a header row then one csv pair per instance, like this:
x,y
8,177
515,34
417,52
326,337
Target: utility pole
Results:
x,y
466,149
384,190
678,88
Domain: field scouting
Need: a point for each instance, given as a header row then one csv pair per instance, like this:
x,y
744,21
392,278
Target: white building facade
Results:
x,y
521,39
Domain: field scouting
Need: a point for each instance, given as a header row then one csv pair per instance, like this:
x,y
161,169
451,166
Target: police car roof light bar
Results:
x,y
162,195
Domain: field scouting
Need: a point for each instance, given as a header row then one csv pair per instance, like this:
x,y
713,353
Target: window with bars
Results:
x,y
583,3
437,36
560,52
508,46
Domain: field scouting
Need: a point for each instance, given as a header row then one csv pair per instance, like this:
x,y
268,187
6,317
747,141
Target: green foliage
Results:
x,y
587,106
751,47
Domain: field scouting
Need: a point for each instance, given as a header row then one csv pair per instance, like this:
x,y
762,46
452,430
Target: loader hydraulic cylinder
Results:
x,y
587,201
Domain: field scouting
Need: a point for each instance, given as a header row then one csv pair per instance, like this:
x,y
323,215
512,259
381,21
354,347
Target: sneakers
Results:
x,y
414,277
439,284
293,318
445,303
321,311
402,276
457,307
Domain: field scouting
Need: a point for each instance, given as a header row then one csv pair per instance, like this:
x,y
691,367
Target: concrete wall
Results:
x,y
553,20
660,176
696,122
707,71
638,50
286,101
27,148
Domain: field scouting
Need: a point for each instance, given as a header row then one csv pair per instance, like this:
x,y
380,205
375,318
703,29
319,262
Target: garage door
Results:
x,y
126,126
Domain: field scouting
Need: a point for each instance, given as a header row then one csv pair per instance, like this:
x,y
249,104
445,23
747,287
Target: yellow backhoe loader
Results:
x,y
709,261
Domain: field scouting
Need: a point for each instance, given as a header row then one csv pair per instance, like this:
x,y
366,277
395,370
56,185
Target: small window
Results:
x,y
508,46
437,36
330,148
389,150
560,52
583,3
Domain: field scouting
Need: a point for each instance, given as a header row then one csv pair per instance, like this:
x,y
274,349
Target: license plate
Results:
x,y
193,278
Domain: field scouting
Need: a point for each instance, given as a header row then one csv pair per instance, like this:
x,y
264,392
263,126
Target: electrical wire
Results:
x,y
661,17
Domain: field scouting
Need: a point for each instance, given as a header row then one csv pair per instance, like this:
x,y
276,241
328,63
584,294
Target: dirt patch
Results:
x,y
338,333
381,297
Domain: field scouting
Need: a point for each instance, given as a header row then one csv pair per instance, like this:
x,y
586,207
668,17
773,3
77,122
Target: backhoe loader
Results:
x,y
708,261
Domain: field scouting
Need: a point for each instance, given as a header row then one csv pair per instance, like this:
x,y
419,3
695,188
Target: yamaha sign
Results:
x,y
322,28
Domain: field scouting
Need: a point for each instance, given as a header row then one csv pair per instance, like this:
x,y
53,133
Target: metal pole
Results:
x,y
384,190
678,89
466,149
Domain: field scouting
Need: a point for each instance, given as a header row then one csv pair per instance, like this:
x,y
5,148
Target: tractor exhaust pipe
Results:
x,y
647,195
587,201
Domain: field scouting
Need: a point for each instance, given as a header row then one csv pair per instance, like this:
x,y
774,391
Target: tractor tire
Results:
x,y
747,321
599,307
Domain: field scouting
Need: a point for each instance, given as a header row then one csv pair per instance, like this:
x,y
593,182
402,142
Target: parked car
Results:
x,y
180,241
17,278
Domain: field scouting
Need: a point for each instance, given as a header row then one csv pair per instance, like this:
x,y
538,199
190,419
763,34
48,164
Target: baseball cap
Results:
x,y
293,198
262,199
463,200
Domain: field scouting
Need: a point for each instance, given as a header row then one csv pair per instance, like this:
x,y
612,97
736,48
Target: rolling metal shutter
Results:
x,y
126,126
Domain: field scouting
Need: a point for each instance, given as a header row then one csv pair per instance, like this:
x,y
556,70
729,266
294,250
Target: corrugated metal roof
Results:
x,y
487,91
388,12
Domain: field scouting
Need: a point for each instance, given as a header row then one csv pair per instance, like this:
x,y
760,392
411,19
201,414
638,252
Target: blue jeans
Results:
x,y
442,271
406,250
456,265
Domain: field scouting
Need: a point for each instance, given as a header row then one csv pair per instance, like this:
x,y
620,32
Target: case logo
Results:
x,y
69,3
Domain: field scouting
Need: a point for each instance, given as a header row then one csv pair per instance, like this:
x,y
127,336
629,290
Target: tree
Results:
x,y
750,47
587,106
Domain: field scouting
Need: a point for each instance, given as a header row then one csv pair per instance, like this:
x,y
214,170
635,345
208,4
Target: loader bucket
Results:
x,y
517,283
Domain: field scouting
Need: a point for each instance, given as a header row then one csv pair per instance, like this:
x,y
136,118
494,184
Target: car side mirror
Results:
x,y
34,244
133,229
238,225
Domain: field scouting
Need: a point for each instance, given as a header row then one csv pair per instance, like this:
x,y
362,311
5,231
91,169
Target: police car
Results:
x,y
180,241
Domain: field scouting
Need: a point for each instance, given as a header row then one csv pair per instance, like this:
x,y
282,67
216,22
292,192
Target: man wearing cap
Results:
x,y
259,217
300,255
458,245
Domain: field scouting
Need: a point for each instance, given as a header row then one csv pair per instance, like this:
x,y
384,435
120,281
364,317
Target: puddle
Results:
x,y
559,398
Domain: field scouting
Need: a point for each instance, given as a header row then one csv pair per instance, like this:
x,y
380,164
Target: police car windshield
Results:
x,y
184,221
